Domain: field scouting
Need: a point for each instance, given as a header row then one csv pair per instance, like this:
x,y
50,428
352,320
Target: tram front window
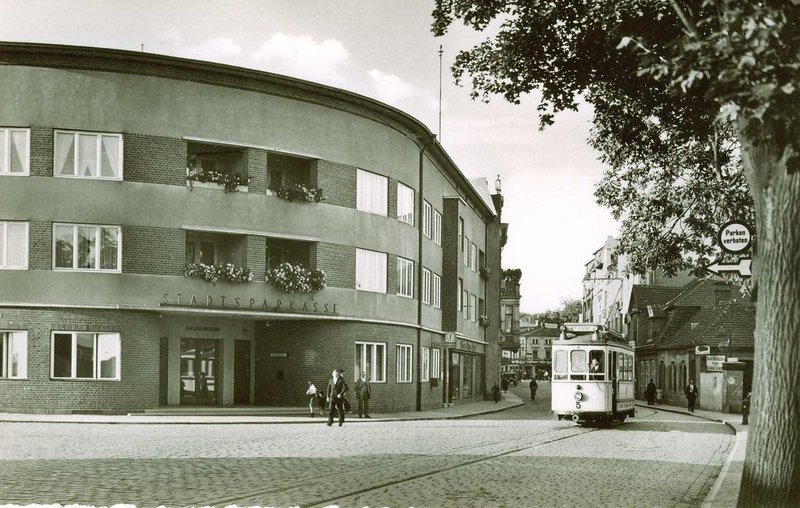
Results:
x,y
559,364
578,363
596,365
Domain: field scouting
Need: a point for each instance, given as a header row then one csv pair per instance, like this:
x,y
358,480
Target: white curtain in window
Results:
x,y
87,155
370,271
16,245
109,248
109,153
405,204
19,152
372,193
18,354
65,154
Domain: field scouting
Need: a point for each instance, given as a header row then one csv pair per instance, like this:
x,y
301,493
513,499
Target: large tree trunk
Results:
x,y
772,466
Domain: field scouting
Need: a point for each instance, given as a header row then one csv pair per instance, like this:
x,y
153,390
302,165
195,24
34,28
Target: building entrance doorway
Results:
x,y
199,371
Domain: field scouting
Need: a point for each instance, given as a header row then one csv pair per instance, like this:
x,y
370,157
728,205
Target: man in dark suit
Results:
x,y
337,389
691,394
364,393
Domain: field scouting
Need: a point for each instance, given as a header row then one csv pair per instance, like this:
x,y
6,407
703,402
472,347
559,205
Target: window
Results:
x,y
426,218
372,193
460,233
405,277
436,363
370,271
473,257
460,293
426,286
437,291
425,359
88,155
437,227
14,354
404,363
578,360
13,245
597,366
81,247
15,152
466,302
467,251
473,307
371,358
405,204
83,355
560,364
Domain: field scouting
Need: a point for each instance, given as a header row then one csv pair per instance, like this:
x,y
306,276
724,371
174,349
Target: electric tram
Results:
x,y
592,375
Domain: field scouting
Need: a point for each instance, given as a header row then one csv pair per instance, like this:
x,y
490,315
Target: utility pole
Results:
x,y
440,92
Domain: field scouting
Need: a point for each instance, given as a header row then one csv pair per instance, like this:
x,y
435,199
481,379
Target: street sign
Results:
x,y
702,350
742,267
734,237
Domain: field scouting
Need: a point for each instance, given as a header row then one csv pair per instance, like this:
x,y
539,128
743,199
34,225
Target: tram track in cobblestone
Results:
x,y
256,496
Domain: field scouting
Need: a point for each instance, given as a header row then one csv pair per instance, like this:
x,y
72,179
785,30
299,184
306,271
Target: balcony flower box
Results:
x,y
298,192
296,279
216,180
213,273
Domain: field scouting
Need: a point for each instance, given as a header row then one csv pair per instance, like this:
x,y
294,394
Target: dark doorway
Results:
x,y
199,371
241,372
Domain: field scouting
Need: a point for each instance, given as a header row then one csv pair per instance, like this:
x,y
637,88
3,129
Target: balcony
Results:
x,y
216,167
215,256
292,178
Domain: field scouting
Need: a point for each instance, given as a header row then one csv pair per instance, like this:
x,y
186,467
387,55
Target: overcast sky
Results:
x,y
382,49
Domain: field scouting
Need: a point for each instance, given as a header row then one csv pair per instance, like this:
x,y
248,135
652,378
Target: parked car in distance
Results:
x,y
511,378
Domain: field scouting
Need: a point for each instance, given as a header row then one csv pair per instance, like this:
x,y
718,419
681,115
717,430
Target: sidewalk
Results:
x,y
264,416
725,491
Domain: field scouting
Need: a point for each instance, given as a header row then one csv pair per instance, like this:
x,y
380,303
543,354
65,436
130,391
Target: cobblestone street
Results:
x,y
512,458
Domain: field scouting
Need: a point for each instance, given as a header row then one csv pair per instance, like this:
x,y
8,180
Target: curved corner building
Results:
x,y
164,223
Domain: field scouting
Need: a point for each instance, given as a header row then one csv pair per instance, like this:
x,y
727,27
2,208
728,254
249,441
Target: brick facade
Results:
x,y
154,159
139,342
40,246
153,251
255,167
255,249
338,263
337,181
41,163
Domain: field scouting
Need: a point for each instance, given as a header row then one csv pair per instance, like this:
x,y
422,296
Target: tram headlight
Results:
x,y
578,396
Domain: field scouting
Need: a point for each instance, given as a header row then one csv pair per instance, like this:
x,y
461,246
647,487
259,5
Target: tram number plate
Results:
x,y
577,405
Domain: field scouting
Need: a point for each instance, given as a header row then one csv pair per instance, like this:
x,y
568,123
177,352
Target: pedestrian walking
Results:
x,y
504,384
659,395
311,393
547,376
650,392
337,389
363,393
321,403
691,394
533,386
496,393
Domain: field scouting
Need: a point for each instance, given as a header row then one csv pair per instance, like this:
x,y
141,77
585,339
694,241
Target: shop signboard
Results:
x,y
714,363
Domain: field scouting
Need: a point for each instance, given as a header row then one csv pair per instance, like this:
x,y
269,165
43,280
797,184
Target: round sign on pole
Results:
x,y
734,237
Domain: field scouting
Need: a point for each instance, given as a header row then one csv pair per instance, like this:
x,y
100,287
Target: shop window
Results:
x,y
404,363
425,357
80,355
87,247
14,151
13,245
14,354
370,357
88,155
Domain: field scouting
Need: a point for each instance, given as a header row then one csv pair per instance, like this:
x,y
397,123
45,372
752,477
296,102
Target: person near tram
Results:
x,y
650,392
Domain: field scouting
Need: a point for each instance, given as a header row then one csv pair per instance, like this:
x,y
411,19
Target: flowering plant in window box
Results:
x,y
484,321
230,182
299,192
486,273
212,273
296,279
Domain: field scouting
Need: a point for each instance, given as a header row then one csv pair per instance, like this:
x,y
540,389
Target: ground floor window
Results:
x,y
436,363
370,358
466,375
404,363
83,355
14,353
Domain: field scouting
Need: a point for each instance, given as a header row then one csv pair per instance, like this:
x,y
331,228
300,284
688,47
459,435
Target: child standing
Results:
x,y
659,393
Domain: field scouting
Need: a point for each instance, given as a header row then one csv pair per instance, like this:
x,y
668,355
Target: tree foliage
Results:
x,y
569,312
665,79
